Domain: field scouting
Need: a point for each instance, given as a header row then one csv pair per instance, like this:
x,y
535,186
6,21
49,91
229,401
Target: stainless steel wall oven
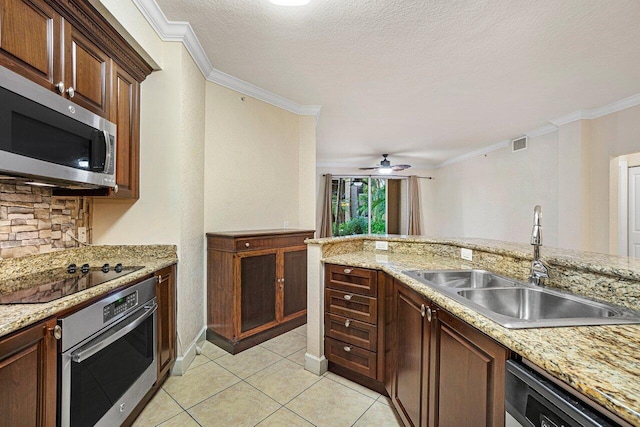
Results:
x,y
108,360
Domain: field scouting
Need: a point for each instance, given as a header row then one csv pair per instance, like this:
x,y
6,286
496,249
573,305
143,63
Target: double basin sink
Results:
x,y
517,305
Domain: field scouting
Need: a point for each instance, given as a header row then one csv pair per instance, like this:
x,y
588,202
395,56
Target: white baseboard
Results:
x,y
315,365
183,362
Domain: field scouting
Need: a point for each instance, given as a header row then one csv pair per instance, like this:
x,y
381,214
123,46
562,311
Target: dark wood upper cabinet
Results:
x,y
256,285
69,48
28,377
125,111
30,40
87,72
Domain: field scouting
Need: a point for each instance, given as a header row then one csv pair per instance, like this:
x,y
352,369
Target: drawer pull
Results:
x,y
347,348
423,310
347,323
348,297
247,244
347,271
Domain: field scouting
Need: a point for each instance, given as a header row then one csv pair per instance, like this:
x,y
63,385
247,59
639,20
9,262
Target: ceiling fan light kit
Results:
x,y
385,167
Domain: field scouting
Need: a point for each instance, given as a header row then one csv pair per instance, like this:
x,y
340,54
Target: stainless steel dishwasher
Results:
x,y
533,400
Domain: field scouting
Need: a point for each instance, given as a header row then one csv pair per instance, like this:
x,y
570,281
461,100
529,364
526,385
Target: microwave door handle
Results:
x,y
109,154
95,346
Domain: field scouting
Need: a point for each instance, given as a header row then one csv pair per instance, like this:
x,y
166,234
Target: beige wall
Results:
x,y
259,162
492,196
567,172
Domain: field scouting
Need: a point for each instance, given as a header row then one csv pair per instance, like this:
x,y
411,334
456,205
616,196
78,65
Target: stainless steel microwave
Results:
x,y
46,138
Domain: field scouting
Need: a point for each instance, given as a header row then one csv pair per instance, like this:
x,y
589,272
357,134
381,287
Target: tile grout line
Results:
x,y
353,389
362,415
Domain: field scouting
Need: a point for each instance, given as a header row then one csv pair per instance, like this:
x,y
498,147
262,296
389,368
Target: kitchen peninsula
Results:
x,y
598,362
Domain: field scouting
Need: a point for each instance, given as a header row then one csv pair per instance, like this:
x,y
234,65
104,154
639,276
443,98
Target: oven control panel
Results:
x,y
119,306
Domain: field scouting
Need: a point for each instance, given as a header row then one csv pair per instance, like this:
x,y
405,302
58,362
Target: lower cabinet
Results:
x,y
468,374
166,327
410,379
444,371
28,376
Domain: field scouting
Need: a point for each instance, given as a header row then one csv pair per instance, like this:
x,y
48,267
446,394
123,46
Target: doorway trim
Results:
x,y
623,208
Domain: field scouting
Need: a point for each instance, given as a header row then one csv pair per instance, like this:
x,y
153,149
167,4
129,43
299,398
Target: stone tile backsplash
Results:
x,y
34,221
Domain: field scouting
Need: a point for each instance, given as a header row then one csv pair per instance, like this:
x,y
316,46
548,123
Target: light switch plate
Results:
x,y
82,234
466,254
382,245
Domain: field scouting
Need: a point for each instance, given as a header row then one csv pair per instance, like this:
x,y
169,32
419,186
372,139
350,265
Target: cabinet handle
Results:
x,y
347,271
60,87
348,297
347,348
423,310
429,314
347,323
56,331
71,92
162,279
247,244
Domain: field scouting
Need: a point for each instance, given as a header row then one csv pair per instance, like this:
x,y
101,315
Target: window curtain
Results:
x,y
414,207
325,225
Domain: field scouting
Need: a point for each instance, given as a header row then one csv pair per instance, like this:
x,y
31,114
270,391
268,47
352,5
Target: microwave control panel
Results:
x,y
119,306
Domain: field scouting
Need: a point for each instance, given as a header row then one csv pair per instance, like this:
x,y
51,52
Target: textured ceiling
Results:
x,y
424,80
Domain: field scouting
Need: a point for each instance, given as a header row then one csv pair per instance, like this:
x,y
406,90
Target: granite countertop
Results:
x,y
601,362
16,316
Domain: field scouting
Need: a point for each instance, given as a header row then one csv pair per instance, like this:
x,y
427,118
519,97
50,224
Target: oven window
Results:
x,y
99,381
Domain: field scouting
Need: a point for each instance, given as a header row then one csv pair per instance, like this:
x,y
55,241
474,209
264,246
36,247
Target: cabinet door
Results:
x,y
469,374
125,112
257,305
28,377
294,285
412,341
87,72
30,40
166,325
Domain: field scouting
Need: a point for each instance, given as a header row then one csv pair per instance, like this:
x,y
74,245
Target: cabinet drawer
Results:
x,y
350,305
351,331
257,243
350,279
351,357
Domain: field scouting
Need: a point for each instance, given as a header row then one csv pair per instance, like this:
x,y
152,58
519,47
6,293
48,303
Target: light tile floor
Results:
x,y
264,386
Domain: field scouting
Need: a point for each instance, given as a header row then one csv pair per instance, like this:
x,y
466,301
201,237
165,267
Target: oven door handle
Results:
x,y
120,330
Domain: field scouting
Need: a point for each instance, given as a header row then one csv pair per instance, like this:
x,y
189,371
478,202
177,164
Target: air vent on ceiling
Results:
x,y
519,144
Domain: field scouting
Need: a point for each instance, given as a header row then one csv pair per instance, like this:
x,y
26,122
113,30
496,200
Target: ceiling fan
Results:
x,y
386,167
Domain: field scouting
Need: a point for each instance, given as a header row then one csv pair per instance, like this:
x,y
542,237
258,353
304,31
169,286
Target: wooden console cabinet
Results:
x,y
166,329
256,285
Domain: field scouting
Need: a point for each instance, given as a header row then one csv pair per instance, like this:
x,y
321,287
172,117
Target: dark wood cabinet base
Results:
x,y
363,380
235,347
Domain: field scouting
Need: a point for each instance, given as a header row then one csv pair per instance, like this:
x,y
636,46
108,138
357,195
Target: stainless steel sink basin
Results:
x,y
515,304
463,278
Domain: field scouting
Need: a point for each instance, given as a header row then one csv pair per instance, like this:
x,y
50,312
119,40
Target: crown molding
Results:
x,y
475,153
594,113
183,32
542,130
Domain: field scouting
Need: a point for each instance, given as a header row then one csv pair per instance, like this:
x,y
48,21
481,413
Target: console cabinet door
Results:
x,y
166,324
28,377
469,375
412,351
257,296
294,281
87,72
30,34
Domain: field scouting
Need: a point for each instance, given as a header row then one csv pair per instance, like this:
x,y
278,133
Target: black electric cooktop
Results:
x,y
58,282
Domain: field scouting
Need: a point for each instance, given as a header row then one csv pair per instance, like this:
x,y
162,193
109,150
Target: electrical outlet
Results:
x,y
466,254
82,234
286,224
382,246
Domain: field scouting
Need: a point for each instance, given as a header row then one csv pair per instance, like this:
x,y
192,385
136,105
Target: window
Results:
x,y
367,205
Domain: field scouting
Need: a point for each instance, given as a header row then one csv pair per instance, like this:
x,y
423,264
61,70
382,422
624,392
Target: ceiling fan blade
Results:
x,y
400,167
368,169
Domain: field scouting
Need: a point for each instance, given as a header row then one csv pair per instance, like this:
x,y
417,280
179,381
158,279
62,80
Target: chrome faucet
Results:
x,y
539,271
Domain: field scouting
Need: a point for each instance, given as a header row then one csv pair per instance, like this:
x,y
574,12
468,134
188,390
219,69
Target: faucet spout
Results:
x,y
539,271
